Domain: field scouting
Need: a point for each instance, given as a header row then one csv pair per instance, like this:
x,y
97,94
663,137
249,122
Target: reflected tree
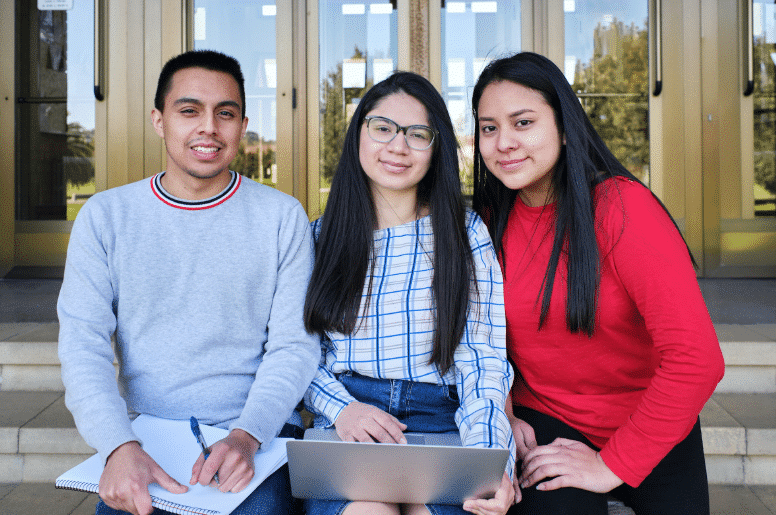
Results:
x,y
613,89
335,116
764,115
78,156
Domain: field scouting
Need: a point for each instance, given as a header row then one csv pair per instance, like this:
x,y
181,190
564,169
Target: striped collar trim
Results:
x,y
194,205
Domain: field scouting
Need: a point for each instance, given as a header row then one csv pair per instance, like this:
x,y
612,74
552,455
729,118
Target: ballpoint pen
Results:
x,y
201,440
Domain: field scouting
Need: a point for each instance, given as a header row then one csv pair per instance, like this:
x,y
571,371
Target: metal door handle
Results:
x,y
748,50
656,40
99,46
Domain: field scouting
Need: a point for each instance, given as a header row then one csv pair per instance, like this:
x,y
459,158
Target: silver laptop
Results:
x,y
429,469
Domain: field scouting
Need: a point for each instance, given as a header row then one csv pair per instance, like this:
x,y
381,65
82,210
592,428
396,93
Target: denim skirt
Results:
x,y
423,407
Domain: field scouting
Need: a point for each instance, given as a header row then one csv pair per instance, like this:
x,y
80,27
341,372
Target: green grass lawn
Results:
x,y
80,194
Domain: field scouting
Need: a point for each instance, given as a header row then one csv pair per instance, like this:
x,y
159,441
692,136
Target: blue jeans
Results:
x,y
273,495
424,407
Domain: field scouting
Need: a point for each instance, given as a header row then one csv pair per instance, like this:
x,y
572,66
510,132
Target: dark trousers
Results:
x,y
271,497
676,486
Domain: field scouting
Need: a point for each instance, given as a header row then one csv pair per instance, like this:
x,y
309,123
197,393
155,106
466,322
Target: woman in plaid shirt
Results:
x,y
407,293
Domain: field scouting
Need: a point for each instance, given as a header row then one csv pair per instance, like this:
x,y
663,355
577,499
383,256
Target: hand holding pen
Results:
x,y
231,460
201,439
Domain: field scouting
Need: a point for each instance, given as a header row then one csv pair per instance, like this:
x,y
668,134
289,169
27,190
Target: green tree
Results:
x,y
613,89
79,165
267,160
245,163
334,116
764,116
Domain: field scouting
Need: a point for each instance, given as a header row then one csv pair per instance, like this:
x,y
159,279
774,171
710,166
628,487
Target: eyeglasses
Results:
x,y
383,130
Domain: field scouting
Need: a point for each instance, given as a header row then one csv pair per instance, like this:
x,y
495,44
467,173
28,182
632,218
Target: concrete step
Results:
x,y
750,358
38,439
739,438
28,357
29,362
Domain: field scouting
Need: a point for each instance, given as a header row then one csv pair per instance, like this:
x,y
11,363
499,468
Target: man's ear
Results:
x,y
245,127
158,122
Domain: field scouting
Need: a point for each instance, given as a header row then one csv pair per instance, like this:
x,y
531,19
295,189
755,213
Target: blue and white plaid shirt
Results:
x,y
394,339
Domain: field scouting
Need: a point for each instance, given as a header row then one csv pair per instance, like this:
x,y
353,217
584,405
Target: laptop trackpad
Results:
x,y
415,439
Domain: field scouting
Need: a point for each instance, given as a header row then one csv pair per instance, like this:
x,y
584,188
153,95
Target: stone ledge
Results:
x,y
745,333
52,441
31,378
724,441
28,353
48,467
748,379
762,442
749,353
9,440
11,468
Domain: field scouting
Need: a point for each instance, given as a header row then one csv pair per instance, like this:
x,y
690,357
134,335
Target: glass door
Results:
x,y
763,91
245,30
606,62
740,138
473,33
55,110
357,47
54,128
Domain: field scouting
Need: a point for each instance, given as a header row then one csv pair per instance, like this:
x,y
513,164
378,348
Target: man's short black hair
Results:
x,y
207,59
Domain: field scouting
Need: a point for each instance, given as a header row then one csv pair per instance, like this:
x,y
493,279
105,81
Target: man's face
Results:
x,y
202,123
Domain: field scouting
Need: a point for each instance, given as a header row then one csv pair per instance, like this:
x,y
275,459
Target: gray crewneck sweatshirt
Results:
x,y
205,299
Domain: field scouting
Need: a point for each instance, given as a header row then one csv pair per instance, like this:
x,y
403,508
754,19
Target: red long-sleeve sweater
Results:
x,y
636,387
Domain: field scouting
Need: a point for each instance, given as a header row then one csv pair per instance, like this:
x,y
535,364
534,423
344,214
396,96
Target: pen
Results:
x,y
201,440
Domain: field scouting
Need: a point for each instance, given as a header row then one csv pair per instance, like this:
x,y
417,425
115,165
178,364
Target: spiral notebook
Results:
x,y
173,446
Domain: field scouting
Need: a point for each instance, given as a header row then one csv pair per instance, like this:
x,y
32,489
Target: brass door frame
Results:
x,y
127,149
735,242
7,134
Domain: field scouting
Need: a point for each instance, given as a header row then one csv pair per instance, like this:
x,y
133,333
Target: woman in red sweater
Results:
x,y
614,349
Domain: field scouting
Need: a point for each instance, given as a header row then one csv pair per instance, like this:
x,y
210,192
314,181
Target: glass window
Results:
x,y
607,64
358,48
473,33
764,115
245,30
55,111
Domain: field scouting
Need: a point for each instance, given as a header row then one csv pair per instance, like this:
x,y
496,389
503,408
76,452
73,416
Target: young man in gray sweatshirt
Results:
x,y
201,275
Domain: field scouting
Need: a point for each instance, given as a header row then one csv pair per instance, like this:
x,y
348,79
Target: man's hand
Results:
x,y
360,422
570,463
128,472
232,458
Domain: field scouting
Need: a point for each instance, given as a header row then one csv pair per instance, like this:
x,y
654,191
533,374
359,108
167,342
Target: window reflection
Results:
x,y
607,65
764,116
473,33
358,48
245,30
55,113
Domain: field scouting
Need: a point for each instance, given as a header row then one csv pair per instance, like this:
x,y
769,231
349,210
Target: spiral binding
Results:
x,y
180,509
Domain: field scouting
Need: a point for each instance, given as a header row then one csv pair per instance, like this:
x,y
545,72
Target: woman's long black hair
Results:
x,y
344,249
584,162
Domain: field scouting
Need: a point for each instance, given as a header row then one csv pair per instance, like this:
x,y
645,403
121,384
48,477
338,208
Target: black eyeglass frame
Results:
x,y
399,129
